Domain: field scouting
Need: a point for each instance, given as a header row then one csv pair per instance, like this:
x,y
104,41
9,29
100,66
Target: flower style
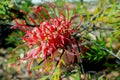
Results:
x,y
47,38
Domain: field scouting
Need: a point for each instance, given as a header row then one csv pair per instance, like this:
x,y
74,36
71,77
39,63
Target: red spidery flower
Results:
x,y
47,38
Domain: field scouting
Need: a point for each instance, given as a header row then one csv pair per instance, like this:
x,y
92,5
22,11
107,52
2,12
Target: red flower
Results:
x,y
46,39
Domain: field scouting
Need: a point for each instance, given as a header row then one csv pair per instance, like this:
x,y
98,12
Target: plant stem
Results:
x,y
57,65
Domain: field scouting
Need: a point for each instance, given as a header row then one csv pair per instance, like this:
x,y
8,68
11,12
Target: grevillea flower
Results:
x,y
49,37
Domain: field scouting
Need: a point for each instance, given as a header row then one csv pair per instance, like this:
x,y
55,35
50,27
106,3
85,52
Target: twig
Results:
x,y
105,49
43,60
82,69
57,65
16,4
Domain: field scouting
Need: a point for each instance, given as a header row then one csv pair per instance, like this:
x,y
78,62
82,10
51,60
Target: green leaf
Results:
x,y
57,11
88,54
95,58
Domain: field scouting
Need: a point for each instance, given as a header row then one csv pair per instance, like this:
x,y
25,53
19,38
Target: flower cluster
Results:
x,y
46,39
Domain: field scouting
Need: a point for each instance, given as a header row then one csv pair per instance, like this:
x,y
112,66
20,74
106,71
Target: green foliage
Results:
x,y
56,74
23,5
15,37
95,53
4,10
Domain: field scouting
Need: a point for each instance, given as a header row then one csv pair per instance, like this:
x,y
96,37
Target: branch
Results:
x,y
105,49
57,64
